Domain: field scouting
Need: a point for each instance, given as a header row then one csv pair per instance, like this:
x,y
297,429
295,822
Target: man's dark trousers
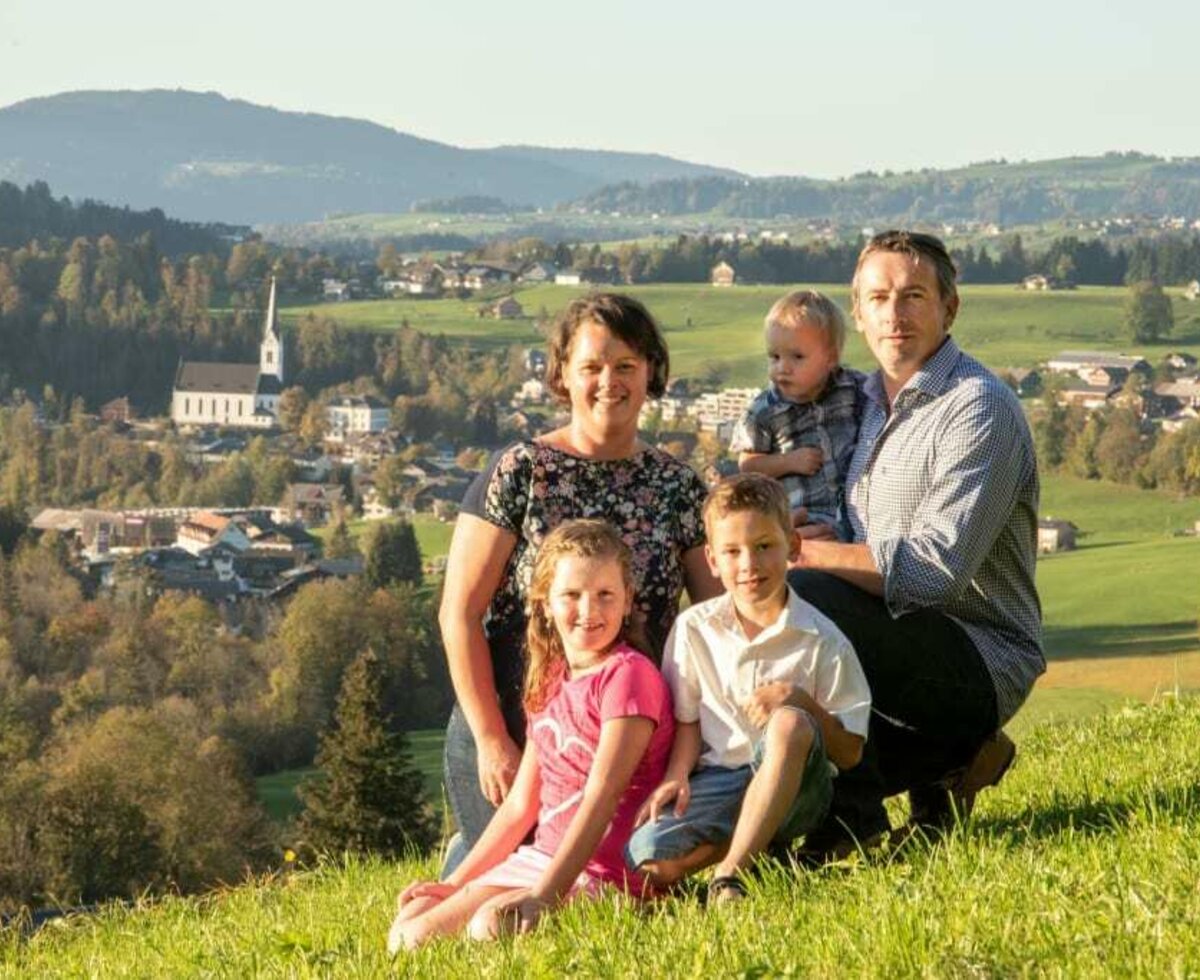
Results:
x,y
933,701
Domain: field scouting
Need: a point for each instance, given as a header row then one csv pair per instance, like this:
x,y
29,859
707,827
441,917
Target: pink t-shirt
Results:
x,y
565,735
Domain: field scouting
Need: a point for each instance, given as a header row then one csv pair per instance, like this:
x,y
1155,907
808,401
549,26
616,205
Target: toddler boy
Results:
x,y
767,692
802,428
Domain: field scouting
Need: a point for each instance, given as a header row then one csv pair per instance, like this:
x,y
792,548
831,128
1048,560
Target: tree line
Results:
x,y
131,727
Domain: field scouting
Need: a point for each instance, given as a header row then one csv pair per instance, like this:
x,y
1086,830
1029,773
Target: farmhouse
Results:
x,y
1180,360
1086,395
240,395
335,290
543,272
723,274
1055,535
1193,290
506,309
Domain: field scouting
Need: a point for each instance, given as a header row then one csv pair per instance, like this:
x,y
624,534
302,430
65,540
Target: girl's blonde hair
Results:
x,y
547,661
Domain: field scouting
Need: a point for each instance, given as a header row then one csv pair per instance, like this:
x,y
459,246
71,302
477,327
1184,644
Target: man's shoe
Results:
x,y
828,845
936,807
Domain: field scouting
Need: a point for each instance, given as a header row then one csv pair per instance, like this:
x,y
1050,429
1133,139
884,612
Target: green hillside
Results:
x,y
1083,862
1000,325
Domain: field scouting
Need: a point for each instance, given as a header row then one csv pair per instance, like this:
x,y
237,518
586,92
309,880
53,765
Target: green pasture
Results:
x,y
278,790
1002,326
1082,863
433,535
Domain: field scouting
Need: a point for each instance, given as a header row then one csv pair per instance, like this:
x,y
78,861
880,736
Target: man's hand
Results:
x,y
679,790
766,699
806,460
498,761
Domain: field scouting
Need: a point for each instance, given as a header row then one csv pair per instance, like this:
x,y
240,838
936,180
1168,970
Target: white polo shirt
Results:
x,y
711,666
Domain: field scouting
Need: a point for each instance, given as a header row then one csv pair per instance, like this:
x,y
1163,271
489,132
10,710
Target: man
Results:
x,y
936,589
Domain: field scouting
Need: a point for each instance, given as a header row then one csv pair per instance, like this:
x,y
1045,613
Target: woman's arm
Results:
x,y
510,823
479,552
623,742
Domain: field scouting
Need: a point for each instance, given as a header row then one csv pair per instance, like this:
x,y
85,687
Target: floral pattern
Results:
x,y
652,498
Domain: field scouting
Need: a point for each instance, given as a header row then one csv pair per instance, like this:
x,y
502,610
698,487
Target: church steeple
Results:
x,y
270,356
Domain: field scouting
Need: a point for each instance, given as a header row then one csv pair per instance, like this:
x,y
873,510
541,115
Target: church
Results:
x,y
235,395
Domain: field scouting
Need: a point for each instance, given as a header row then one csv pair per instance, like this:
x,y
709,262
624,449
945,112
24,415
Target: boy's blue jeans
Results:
x,y
716,801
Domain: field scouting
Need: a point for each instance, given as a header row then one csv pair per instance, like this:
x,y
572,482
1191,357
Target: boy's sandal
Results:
x,y
726,888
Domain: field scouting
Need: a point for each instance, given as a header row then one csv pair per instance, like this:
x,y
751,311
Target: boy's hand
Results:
x,y
679,790
425,889
806,460
766,699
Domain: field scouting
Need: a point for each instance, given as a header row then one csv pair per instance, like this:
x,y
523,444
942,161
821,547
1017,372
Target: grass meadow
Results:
x,y
1082,863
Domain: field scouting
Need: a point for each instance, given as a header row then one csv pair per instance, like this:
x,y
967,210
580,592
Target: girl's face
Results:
x,y
588,602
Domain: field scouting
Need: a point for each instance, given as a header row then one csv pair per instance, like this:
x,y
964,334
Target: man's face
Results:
x,y
901,313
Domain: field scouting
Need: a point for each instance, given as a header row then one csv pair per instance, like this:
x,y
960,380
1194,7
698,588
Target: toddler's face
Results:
x,y
800,360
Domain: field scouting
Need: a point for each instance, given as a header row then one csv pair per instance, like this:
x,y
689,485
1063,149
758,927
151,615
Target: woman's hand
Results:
x,y
499,758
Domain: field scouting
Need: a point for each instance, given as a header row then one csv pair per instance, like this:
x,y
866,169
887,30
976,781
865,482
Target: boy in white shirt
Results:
x,y
768,693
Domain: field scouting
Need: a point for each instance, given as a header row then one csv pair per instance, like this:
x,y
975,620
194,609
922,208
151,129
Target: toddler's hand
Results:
x,y
766,699
679,790
806,460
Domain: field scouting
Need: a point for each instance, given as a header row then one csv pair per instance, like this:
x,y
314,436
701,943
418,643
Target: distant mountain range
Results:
x,y
203,157
1114,185
200,156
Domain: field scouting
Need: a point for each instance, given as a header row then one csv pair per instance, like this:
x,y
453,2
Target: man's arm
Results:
x,y
852,562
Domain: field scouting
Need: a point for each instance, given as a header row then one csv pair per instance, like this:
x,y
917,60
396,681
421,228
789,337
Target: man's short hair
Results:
x,y
808,306
919,247
748,492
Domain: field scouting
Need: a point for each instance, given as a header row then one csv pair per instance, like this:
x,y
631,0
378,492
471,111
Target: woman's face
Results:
x,y
605,378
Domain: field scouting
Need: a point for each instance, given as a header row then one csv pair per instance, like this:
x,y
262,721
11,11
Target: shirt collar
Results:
x,y
932,378
796,615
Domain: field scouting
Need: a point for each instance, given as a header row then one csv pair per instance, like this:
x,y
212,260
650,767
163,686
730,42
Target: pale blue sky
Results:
x,y
766,87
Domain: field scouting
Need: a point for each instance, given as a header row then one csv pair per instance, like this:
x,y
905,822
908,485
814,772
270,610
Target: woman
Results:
x,y
606,356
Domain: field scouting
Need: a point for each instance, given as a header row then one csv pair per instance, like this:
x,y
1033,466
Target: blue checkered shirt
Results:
x,y
944,491
772,424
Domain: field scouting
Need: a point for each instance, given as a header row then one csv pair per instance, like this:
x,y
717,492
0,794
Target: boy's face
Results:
x,y
800,360
749,553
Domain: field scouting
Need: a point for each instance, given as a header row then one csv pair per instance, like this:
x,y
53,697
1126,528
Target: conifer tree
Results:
x,y
368,797
393,555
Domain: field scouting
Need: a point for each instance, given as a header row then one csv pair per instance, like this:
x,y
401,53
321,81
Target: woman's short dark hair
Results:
x,y
627,319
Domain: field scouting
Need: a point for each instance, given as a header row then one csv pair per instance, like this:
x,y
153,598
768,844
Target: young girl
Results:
x,y
600,728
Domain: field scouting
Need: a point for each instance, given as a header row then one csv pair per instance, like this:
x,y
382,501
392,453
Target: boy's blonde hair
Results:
x,y
547,661
748,492
808,306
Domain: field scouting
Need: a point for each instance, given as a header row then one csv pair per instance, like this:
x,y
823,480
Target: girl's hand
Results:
x,y
498,761
766,699
679,790
425,889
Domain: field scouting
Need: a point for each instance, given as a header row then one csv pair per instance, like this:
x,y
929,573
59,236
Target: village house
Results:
x,y
1088,396
118,410
1026,381
352,415
205,530
539,272
583,277
1079,362
506,309
236,395
309,504
482,276
723,274
1042,283
1180,361
1192,292
335,290
718,411
1053,535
